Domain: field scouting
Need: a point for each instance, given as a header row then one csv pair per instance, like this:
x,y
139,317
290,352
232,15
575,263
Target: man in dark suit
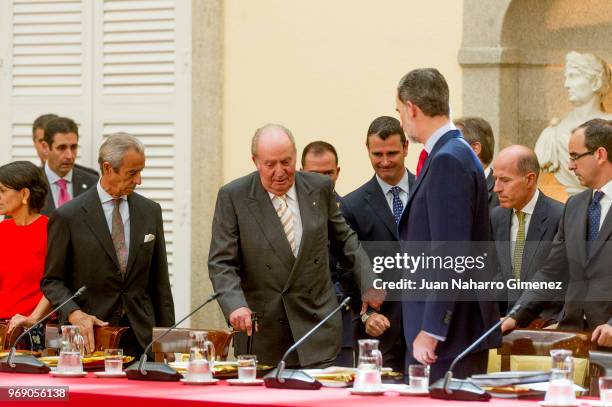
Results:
x,y
479,135
373,210
111,240
269,254
524,224
321,157
447,204
60,146
581,252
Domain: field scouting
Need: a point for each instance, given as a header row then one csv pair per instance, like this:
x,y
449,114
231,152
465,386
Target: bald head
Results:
x,y
516,171
274,154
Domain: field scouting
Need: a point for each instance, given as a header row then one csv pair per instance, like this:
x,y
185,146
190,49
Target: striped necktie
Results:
x,y
594,214
286,218
118,236
519,245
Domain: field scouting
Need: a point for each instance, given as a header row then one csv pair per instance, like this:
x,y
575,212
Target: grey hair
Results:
x,y
593,67
269,126
114,148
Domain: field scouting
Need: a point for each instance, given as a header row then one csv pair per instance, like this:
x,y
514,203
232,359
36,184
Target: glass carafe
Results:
x,y
201,357
561,386
71,351
369,367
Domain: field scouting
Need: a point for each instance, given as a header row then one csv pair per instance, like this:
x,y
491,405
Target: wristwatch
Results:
x,y
367,315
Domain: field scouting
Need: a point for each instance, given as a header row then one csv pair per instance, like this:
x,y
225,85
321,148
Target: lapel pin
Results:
x,y
84,186
314,203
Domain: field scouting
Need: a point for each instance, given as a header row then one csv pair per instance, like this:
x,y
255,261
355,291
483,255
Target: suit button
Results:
x,y
316,260
314,316
268,267
310,291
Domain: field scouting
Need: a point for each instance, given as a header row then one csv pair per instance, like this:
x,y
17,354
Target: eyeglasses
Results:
x,y
576,157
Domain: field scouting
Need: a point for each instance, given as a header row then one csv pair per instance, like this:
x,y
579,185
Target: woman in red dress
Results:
x,y
23,241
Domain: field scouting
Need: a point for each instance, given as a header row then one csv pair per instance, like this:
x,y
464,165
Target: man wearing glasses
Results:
x,y
581,254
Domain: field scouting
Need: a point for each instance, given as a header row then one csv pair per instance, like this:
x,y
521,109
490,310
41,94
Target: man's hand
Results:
x,y
423,348
86,322
376,324
603,335
508,325
19,320
372,298
240,320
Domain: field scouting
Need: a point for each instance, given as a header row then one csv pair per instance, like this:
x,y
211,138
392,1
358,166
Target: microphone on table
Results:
x,y
28,363
459,389
160,371
282,378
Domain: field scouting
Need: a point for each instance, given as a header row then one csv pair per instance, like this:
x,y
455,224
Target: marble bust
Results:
x,y
587,80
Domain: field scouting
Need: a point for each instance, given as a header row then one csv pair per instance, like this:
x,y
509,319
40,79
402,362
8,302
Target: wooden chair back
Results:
x,y
7,340
177,340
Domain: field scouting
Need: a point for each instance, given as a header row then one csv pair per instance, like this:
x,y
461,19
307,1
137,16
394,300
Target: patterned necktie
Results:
x,y
64,196
519,246
398,206
286,218
594,213
118,236
422,158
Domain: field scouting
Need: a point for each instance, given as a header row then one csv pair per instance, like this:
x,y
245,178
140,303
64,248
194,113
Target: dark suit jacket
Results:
x,y
449,203
251,265
367,212
587,279
81,252
82,180
542,229
493,198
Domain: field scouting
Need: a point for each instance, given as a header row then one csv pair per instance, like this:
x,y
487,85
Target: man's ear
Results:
x,y
45,146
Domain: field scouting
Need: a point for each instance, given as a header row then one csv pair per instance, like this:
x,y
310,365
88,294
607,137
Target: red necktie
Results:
x,y
422,157
64,196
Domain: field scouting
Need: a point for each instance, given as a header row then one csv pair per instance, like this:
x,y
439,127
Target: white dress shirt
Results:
x,y
294,207
606,202
52,177
403,193
437,135
528,210
108,206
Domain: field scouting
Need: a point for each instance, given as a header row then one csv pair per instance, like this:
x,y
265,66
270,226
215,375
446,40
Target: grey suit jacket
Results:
x,y
493,199
81,252
82,180
542,229
587,279
251,265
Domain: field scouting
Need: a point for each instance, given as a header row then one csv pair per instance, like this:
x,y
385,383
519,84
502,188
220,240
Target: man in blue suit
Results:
x,y
448,203
373,211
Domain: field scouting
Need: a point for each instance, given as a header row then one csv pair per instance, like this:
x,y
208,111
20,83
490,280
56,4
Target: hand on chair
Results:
x,y
602,335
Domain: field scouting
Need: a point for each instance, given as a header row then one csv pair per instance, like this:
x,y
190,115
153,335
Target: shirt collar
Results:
x,y
528,209
52,177
292,194
105,196
403,184
437,135
606,189
487,171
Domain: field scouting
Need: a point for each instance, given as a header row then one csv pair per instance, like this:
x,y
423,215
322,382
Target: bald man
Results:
x,y
523,225
269,255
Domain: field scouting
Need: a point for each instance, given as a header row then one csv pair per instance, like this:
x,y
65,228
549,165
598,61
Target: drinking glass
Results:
x,y
561,386
113,360
369,367
247,368
605,390
201,357
71,351
419,378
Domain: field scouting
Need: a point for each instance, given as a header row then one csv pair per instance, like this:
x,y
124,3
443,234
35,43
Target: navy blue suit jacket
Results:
x,y
449,203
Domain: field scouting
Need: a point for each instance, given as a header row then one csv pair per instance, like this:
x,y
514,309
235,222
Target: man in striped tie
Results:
x,y
269,255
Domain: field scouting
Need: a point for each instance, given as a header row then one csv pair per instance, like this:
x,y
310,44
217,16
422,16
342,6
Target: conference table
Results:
x,y
91,391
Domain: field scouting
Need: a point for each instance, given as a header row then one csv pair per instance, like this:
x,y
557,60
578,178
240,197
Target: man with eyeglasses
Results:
x,y
581,254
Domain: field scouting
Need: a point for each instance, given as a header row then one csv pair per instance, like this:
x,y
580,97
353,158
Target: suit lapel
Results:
x,y
137,231
97,223
505,239
261,207
78,183
378,203
578,233
534,234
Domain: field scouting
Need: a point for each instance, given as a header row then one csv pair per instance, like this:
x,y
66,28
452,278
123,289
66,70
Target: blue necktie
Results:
x,y
594,214
398,206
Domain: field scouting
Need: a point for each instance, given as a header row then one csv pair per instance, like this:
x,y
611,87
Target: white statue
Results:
x,y
587,80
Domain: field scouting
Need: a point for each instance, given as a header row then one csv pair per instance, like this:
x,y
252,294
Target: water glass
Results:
x,y
605,390
419,378
561,386
247,368
113,360
70,362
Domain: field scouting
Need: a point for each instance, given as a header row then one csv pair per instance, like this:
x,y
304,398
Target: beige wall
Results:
x,y
326,69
